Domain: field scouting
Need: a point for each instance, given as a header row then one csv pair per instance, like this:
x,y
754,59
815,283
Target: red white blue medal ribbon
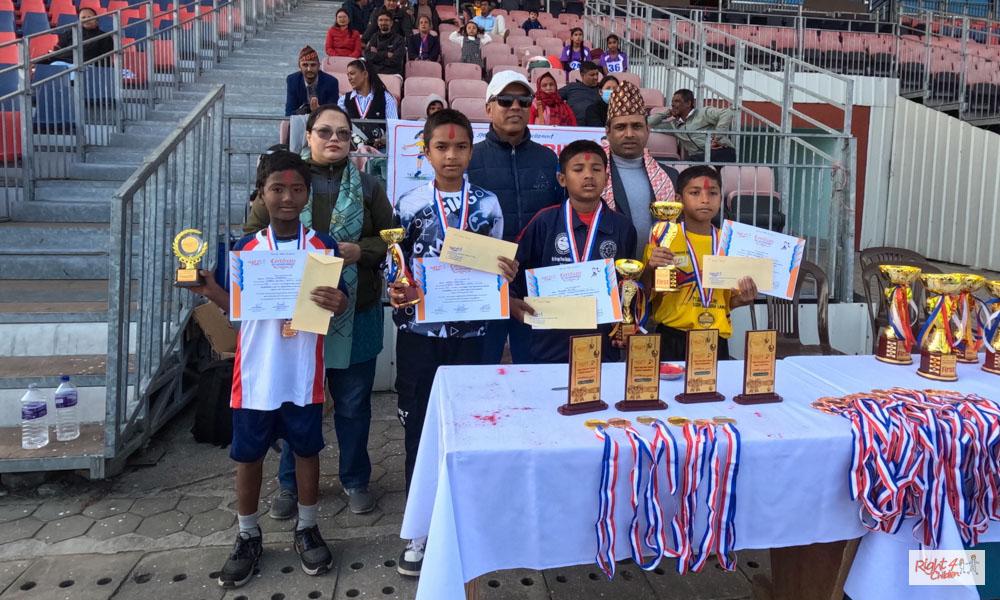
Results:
x,y
644,487
439,207
591,232
368,104
664,452
722,500
605,525
272,240
704,294
697,439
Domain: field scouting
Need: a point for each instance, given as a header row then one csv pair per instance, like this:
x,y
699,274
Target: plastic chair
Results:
x,y
40,45
514,68
98,84
458,70
663,146
783,315
474,108
413,108
10,137
493,62
54,102
423,68
423,86
466,88
632,78
34,23
336,64
750,197
7,21
558,74
652,97
393,85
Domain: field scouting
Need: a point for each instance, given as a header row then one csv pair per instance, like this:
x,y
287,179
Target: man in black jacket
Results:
x,y
385,52
581,95
522,174
360,12
91,48
402,23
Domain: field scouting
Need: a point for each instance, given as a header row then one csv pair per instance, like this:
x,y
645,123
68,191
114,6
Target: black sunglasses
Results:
x,y
507,100
325,133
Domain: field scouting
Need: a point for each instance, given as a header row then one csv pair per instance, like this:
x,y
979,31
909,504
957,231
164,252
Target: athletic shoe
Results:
x,y
243,560
284,506
360,501
412,558
313,551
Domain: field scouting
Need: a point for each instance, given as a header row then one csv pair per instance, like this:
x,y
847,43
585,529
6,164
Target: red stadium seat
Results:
x,y
336,64
10,136
466,88
423,68
163,56
423,86
40,45
473,108
558,74
652,97
663,146
457,70
394,85
413,108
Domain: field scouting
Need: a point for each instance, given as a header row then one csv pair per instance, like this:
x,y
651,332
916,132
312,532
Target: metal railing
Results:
x,y
178,186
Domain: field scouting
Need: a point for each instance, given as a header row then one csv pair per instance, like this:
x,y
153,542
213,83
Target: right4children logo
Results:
x,y
947,567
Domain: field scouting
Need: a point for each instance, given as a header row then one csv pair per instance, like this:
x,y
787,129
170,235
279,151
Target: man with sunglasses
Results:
x,y
522,174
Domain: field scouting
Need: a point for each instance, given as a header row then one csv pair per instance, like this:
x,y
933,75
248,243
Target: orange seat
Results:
x,y
40,45
163,56
10,136
135,74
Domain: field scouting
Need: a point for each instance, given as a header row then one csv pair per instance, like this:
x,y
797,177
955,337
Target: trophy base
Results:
x,y
634,405
768,398
412,297
969,357
623,331
992,364
699,397
583,407
937,366
893,352
188,278
665,279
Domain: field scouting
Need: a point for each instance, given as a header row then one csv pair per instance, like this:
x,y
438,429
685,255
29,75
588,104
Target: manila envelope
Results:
x,y
562,312
725,271
321,270
479,252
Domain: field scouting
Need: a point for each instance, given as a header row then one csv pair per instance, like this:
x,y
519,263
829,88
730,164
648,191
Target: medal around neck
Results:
x,y
662,234
584,376
759,368
396,269
701,372
642,374
189,248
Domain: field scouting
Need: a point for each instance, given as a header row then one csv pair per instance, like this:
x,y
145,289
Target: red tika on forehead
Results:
x,y
451,132
586,156
290,177
706,182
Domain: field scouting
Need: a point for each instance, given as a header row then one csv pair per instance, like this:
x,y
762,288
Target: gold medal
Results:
x,y
619,422
286,329
646,420
724,420
704,422
595,423
706,319
678,421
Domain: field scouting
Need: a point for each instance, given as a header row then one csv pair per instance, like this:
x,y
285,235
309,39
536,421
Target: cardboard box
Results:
x,y
217,328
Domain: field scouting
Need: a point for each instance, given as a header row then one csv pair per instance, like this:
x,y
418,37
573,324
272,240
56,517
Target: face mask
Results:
x,y
606,96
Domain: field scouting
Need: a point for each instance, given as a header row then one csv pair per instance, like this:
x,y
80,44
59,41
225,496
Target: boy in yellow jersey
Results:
x,y
693,306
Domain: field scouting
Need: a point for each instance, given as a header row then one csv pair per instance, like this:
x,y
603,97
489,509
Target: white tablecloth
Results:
x,y
880,568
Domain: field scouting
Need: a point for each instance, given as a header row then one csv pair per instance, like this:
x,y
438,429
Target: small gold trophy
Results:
x,y
632,301
937,358
396,263
967,305
662,234
189,248
896,341
992,331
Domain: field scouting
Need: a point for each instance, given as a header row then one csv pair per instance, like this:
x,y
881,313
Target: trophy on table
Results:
x,y
967,311
189,248
633,300
937,356
396,271
662,234
991,333
895,341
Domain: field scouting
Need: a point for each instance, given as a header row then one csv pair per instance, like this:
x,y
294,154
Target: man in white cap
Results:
x,y
522,174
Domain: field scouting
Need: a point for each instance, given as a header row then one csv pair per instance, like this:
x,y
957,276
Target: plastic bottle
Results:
x,y
68,423
34,419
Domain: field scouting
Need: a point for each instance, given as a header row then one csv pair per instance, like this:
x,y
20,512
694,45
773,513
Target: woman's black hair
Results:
x,y
373,79
314,115
608,78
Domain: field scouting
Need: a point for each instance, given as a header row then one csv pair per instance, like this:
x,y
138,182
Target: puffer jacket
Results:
x,y
523,177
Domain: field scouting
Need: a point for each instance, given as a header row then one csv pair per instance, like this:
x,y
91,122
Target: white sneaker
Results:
x,y
412,558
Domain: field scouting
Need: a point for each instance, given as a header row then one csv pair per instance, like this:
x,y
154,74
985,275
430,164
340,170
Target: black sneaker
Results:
x,y
242,562
313,551
412,558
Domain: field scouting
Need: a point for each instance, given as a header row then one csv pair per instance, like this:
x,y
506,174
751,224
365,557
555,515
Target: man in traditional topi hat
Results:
x,y
309,87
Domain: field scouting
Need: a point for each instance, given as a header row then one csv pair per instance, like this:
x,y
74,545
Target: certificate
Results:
x,y
726,271
475,251
454,293
265,284
562,313
593,279
739,239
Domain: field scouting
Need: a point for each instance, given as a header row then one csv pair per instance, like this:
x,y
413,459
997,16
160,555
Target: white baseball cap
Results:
x,y
504,78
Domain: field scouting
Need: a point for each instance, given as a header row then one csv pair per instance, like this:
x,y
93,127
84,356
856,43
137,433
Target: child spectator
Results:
x,y
489,23
532,22
549,108
341,40
434,104
574,53
471,41
614,60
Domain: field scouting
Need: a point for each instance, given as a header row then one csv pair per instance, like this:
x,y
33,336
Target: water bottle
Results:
x,y
68,425
34,419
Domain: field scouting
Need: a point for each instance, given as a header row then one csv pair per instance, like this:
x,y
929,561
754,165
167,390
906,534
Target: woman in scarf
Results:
x,y
549,108
351,207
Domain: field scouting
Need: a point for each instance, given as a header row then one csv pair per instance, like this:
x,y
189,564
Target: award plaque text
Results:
x,y
642,374
701,370
584,376
758,368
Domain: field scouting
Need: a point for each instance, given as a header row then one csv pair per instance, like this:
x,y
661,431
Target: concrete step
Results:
x,y
52,238
99,172
75,190
62,211
53,301
113,155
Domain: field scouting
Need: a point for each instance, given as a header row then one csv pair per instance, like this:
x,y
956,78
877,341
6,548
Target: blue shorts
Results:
x,y
255,431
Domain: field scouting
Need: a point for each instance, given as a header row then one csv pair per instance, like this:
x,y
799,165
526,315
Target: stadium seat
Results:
x,y
632,78
135,72
98,84
491,50
457,70
493,62
536,34
558,74
474,108
394,85
343,85
423,68
163,56
413,107
336,64
466,88
514,68
10,136
34,23
53,100
662,146
423,86
10,54
6,21
40,45
750,197
652,97
553,46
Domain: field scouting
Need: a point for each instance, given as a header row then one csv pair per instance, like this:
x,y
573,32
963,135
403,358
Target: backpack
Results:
x,y
213,419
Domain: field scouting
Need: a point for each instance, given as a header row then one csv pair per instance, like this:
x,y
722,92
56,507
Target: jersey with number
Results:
x,y
271,369
615,64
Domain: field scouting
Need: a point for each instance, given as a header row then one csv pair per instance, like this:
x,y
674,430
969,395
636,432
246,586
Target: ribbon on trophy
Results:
x,y
605,525
991,321
942,312
900,306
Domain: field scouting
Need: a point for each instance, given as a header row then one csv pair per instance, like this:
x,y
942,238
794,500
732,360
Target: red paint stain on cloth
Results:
x,y
501,371
489,418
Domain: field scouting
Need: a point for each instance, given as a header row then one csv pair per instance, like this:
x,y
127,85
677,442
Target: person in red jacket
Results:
x,y
548,108
341,40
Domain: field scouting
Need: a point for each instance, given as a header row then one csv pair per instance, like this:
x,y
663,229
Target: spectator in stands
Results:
x,y
494,25
522,173
597,114
434,104
341,40
368,99
684,118
549,108
91,48
385,51
574,54
424,8
401,21
351,207
581,95
532,22
307,89
360,12
423,45
614,60
636,178
471,40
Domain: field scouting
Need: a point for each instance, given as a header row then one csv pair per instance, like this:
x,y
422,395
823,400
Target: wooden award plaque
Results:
x,y
584,376
642,374
759,368
701,372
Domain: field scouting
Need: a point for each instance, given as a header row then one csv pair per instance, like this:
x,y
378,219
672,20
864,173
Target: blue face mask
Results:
x,y
606,96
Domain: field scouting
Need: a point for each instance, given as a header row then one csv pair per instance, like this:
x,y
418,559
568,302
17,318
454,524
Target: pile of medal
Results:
x,y
709,444
921,453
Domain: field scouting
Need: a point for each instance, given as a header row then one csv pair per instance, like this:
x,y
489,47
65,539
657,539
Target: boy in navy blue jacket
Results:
x,y
598,233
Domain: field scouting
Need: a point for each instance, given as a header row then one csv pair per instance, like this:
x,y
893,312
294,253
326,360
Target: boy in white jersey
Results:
x,y
278,380
425,212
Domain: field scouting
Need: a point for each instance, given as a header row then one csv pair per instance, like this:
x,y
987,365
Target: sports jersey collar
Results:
x,y
604,226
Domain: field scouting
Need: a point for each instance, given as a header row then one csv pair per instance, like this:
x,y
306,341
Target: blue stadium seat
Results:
x,y
66,19
8,85
34,23
136,29
106,22
53,101
98,83
6,21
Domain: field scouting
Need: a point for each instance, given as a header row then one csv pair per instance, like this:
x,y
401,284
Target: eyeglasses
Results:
x,y
507,100
325,133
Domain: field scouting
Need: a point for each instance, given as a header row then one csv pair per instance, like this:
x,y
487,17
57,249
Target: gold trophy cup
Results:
x,y
967,303
662,234
398,273
891,349
937,358
992,342
629,271
189,248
